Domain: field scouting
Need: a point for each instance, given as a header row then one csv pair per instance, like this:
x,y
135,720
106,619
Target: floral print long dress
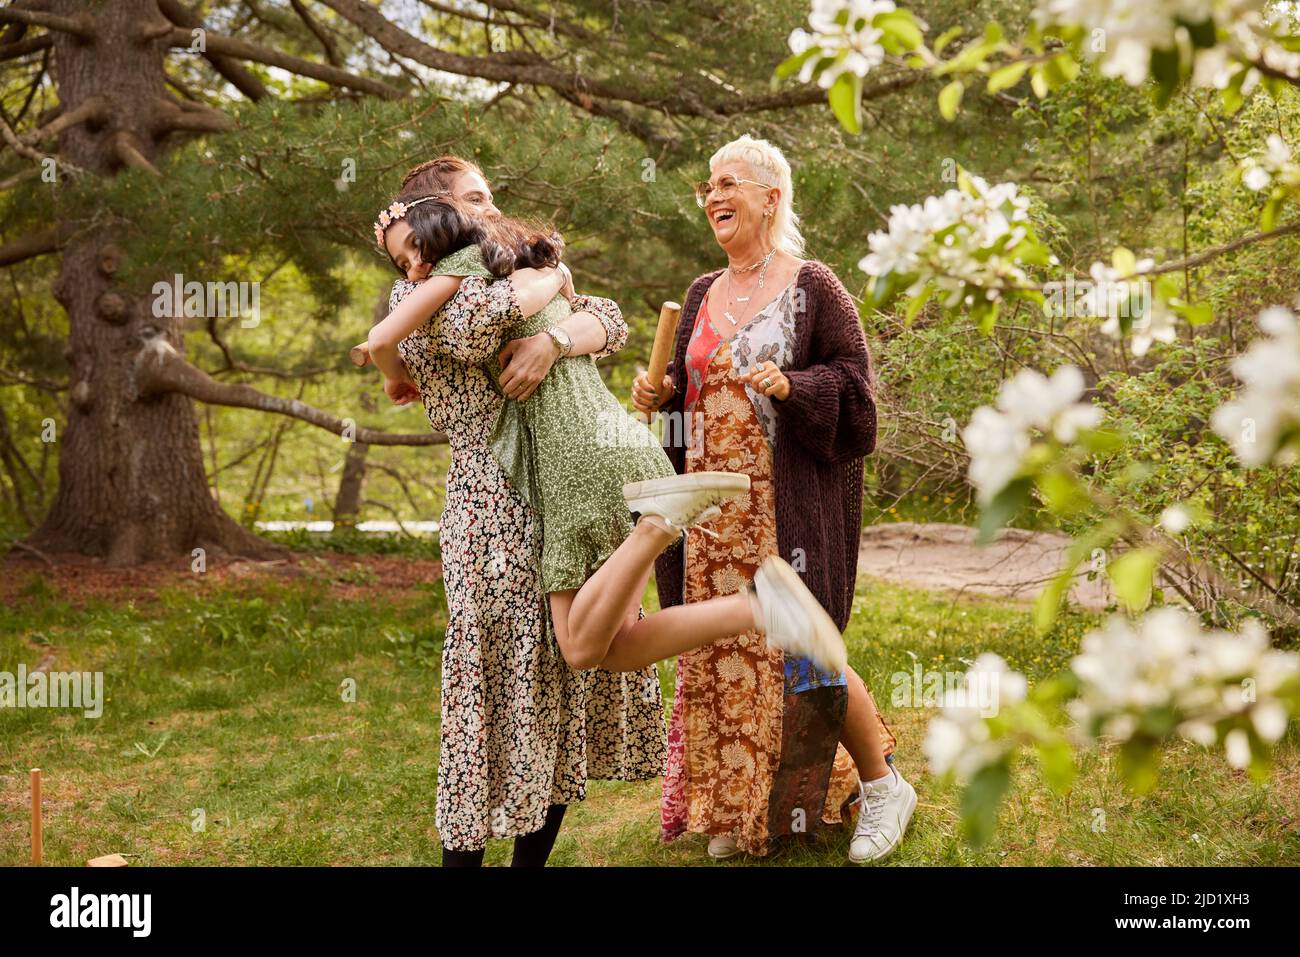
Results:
x,y
753,746
520,729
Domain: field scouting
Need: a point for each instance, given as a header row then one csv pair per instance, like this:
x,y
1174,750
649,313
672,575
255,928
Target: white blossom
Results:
x,y
958,740
998,438
1175,519
1268,407
853,45
973,223
1275,165
1247,32
1167,663
1113,296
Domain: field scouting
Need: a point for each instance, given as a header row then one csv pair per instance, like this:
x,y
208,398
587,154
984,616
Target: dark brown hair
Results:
x,y
441,226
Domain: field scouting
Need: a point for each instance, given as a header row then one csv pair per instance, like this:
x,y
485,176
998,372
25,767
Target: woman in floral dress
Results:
x,y
521,732
771,377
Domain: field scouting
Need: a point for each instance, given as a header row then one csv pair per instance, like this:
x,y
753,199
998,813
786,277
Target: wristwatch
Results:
x,y
561,340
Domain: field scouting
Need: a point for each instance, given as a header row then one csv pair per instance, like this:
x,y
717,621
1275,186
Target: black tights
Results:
x,y
531,850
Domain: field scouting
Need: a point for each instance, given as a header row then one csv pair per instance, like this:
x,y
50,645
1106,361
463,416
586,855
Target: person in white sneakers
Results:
x,y
771,376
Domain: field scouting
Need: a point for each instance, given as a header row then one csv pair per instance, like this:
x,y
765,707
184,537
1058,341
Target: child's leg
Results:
x,y
861,733
638,642
679,629
586,621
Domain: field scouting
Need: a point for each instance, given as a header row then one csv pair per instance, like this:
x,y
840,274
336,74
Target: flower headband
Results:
x,y
395,212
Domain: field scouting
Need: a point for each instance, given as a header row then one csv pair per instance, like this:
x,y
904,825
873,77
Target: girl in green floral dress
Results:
x,y
585,466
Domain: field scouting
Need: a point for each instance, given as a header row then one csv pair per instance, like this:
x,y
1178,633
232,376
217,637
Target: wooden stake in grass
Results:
x,y
38,836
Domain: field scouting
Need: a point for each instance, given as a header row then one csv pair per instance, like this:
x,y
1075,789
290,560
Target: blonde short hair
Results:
x,y
769,166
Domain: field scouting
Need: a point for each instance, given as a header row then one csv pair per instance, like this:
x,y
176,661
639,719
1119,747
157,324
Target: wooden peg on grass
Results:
x,y
38,832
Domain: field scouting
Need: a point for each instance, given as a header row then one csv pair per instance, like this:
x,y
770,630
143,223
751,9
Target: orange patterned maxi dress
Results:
x,y
753,745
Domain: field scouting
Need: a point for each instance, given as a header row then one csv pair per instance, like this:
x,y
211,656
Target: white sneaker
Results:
x,y
684,500
883,815
793,620
723,847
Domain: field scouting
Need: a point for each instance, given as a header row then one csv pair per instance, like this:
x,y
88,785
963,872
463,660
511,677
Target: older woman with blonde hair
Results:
x,y
772,378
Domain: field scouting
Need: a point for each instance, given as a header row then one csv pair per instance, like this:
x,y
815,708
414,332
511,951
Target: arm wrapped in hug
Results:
x,y
610,317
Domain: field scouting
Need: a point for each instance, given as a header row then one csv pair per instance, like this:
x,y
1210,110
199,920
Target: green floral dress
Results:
x,y
568,449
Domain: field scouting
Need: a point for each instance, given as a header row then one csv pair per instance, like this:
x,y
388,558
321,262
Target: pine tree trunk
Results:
x,y
131,480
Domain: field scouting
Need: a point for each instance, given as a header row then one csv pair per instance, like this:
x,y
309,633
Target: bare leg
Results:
x,y
638,642
678,629
861,733
590,617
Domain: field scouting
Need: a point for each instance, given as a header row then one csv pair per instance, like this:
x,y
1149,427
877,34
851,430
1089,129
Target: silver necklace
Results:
x,y
761,266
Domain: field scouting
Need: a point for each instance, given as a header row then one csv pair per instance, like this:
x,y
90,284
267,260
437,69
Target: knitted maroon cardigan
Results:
x,y
823,431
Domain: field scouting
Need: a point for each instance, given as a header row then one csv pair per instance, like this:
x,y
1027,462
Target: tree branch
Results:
x,y
92,108
31,245
1215,251
12,51
243,50
124,148
192,118
22,149
318,31
233,71
82,26
534,70
159,369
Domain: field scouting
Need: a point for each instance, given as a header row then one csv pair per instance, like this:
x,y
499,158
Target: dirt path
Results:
x,y
941,556
935,556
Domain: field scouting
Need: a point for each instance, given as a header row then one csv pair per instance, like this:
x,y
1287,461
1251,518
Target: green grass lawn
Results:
x,y
223,694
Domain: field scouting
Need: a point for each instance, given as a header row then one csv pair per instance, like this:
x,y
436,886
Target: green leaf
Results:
x,y
792,65
985,314
1006,505
980,800
1268,216
1007,76
1196,313
1060,70
950,99
1061,491
1048,603
1133,573
1038,82
1202,34
916,303
1165,68
1100,441
1124,261
846,101
902,25
1056,761
945,38
1139,764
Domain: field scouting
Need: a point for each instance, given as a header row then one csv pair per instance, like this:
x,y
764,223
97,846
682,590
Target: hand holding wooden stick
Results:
x,y
665,340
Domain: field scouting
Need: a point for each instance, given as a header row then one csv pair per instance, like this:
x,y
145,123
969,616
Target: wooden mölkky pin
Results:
x,y
665,341
38,834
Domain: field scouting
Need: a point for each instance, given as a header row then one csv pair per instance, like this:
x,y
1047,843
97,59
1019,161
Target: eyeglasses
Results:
x,y
726,187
